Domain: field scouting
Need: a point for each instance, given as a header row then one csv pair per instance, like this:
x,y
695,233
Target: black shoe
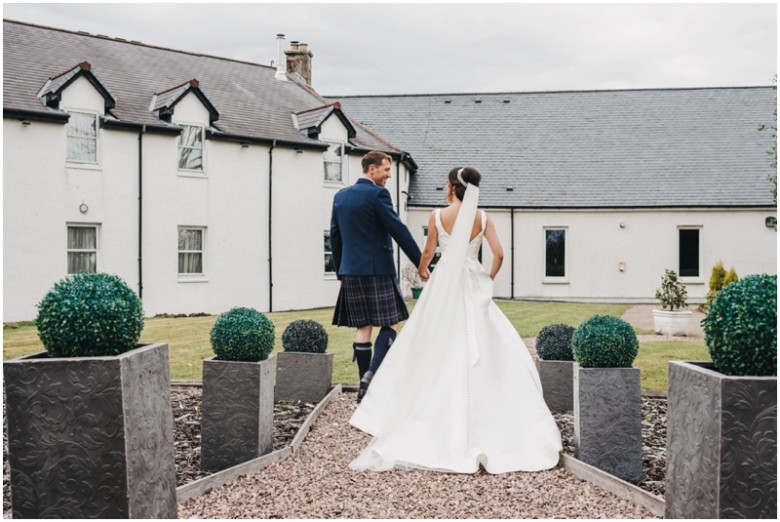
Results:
x,y
364,382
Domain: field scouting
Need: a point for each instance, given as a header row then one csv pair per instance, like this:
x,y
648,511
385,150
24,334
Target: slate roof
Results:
x,y
587,149
250,101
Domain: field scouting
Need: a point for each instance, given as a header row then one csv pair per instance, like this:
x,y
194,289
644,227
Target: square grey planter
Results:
x,y
301,376
557,384
237,412
608,420
721,444
91,437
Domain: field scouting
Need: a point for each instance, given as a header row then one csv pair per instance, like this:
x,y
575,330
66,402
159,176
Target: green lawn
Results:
x,y
188,338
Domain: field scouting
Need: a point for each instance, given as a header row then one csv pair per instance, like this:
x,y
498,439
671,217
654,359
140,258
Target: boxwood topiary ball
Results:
x,y
554,343
741,327
242,334
604,341
89,315
305,335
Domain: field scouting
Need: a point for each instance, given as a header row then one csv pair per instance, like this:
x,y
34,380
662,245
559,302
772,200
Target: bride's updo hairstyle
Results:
x,y
469,175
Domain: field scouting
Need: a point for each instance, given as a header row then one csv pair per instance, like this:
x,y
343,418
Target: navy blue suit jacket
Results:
x,y
361,226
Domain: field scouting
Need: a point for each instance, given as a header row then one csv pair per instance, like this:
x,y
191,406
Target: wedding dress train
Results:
x,y
458,389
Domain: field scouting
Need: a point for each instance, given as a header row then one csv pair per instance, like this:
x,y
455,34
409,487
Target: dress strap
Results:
x,y
437,213
484,220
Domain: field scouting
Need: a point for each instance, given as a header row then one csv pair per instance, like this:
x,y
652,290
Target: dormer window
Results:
x,y
191,148
82,136
333,162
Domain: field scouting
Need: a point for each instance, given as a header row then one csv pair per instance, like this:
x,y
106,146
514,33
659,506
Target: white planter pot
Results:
x,y
671,323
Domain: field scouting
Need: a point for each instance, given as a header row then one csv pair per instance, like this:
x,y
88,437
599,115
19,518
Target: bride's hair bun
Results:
x,y
470,175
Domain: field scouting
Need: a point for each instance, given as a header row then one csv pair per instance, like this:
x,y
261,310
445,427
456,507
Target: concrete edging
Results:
x,y
625,490
220,478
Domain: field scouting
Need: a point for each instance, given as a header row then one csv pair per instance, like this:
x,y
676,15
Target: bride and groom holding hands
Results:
x,y
458,390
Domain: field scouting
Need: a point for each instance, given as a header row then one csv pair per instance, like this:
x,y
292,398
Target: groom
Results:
x,y
362,224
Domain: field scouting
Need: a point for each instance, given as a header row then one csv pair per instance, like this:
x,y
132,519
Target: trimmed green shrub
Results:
x,y
603,341
672,293
242,334
554,343
305,335
89,315
741,327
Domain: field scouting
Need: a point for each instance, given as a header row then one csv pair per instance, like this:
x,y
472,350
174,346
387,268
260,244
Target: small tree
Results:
x,y
731,277
716,284
672,294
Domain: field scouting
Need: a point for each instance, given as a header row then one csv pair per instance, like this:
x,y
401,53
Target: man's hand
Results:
x,y
424,274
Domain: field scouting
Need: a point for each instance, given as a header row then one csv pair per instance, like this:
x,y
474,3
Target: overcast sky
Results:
x,y
450,48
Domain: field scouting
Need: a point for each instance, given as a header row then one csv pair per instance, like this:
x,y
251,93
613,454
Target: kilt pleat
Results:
x,y
369,301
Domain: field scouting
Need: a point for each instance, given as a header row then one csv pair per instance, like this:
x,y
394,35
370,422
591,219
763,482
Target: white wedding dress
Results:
x,y
458,388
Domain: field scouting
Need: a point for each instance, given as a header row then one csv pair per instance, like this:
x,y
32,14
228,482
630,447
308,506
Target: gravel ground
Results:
x,y
317,483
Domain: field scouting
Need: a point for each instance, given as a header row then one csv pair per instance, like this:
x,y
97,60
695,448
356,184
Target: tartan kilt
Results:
x,y
374,300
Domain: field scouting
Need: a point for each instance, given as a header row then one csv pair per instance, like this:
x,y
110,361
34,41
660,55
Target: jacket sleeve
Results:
x,y
335,239
397,230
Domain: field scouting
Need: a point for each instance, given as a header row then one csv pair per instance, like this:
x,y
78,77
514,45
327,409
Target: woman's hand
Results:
x,y
424,273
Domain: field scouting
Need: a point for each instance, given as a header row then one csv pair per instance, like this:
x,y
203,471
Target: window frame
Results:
x,y
327,274
688,278
200,172
83,163
69,250
192,276
325,162
548,279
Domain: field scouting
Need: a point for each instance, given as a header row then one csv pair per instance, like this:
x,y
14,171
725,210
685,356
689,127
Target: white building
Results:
x,y
595,193
205,183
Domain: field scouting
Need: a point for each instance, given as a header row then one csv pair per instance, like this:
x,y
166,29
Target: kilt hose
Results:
x,y
373,300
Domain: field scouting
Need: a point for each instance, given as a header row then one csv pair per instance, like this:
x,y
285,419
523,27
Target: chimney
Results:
x,y
281,66
299,60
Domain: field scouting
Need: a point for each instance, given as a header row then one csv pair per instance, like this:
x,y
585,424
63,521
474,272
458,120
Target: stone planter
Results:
x,y
557,384
91,437
608,420
671,323
721,444
237,412
302,376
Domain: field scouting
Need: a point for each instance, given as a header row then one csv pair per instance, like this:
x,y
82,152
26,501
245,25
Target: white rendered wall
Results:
x,y
596,245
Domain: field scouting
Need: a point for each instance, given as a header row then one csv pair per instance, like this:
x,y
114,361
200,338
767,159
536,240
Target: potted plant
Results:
x,y
672,319
722,416
303,370
555,365
90,427
238,390
607,397
410,275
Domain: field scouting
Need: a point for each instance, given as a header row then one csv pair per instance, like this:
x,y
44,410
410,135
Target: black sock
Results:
x,y
383,343
361,352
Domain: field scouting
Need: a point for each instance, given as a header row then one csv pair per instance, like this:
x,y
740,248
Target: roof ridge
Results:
x,y
133,42
574,91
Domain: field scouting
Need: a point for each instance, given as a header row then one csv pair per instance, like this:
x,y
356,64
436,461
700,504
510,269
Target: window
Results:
x,y
191,250
81,132
330,266
689,252
332,158
555,253
82,249
191,148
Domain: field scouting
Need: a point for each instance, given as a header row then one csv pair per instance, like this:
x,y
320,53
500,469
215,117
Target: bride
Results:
x,y
458,389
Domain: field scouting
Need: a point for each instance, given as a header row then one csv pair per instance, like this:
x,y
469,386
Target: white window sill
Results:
x,y
333,184
692,280
330,276
555,281
192,278
192,174
83,166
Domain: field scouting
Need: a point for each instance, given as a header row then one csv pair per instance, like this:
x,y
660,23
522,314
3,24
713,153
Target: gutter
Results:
x,y
216,135
48,116
270,228
140,210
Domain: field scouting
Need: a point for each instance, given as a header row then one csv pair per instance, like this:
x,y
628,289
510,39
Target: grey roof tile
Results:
x,y
250,101
587,149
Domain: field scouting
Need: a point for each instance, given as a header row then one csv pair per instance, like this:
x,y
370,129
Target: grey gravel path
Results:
x,y
317,483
